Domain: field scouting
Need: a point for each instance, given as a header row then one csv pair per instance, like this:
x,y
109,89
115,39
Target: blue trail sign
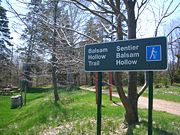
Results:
x,y
149,54
153,53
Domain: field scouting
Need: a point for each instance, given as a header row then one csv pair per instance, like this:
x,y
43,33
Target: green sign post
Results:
x,y
99,103
149,54
150,101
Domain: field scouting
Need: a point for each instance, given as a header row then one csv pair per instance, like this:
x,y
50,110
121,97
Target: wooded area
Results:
x,y
56,31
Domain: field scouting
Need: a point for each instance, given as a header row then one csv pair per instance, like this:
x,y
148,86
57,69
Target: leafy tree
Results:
x,y
5,38
30,36
5,44
50,32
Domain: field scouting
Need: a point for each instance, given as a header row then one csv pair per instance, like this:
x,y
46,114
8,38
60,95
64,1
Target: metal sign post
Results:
x,y
110,85
96,83
150,102
99,103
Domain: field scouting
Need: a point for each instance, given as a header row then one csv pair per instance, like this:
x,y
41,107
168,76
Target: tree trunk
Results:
x,y
130,101
133,96
171,81
92,78
86,78
130,115
27,68
54,60
77,79
54,79
132,83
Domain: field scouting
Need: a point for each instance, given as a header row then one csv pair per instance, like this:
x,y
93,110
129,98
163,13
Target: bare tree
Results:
x,y
161,11
124,13
165,9
54,59
174,51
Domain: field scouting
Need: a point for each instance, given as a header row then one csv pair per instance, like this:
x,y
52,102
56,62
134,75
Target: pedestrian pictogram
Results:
x,y
153,53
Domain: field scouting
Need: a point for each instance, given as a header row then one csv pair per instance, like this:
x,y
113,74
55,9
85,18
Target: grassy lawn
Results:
x,y
171,94
76,114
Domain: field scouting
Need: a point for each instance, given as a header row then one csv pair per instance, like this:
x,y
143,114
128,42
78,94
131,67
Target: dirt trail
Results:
x,y
158,104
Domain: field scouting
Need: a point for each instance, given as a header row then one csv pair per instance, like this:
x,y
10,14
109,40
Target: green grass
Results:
x,y
172,93
74,114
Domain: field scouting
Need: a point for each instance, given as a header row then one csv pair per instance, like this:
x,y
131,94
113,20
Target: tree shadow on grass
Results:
x,y
130,130
38,90
36,93
34,98
156,130
62,109
42,90
57,105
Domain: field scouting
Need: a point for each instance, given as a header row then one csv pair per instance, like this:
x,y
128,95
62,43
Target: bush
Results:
x,y
158,86
72,88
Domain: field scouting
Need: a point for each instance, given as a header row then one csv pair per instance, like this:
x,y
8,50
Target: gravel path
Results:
x,y
158,104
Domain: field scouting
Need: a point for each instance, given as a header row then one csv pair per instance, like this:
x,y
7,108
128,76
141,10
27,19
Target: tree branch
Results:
x,y
141,91
165,15
141,5
17,14
93,12
177,27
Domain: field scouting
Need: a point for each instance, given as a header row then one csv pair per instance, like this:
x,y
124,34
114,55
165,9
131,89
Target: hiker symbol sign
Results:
x,y
153,53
